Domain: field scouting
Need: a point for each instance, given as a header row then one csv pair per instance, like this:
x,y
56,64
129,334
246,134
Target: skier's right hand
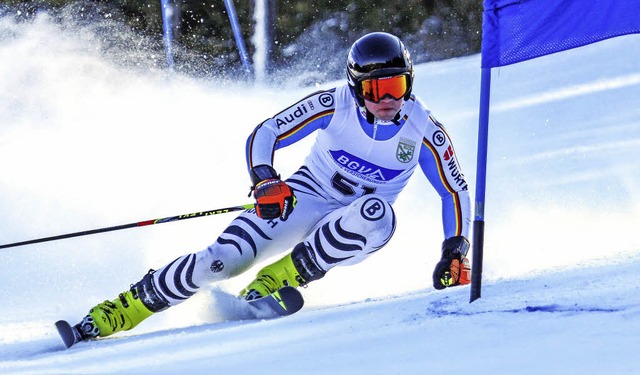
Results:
x,y
275,199
273,196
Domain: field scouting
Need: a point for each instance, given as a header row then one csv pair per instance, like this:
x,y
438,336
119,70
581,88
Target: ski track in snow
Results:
x,y
579,312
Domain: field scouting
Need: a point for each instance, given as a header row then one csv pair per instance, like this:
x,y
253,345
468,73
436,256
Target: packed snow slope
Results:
x,y
85,144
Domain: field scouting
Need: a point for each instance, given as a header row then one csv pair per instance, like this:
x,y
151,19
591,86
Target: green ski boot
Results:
x,y
124,312
296,269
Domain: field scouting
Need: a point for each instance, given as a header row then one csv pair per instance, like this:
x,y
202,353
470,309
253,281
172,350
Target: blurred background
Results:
x,y
295,35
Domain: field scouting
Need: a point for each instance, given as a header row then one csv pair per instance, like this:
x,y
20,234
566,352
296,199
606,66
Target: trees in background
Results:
x,y
302,33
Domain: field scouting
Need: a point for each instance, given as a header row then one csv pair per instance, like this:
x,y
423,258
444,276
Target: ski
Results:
x,y
68,333
285,301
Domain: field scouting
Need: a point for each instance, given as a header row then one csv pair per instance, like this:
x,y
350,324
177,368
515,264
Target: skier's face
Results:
x,y
386,109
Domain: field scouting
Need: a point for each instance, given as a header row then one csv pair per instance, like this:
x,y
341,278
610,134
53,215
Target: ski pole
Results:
x,y
134,225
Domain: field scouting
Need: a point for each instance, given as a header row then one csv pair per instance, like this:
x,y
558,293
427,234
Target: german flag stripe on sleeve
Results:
x,y
301,126
454,194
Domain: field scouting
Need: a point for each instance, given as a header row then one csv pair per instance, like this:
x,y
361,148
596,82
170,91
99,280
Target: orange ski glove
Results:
x,y
453,268
273,196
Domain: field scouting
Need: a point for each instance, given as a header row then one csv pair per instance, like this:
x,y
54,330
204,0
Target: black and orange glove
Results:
x,y
275,199
453,268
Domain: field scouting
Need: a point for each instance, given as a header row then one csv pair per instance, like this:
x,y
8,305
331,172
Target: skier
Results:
x,y
336,209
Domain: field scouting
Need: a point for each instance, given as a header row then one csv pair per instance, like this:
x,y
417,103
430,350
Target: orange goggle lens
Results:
x,y
375,89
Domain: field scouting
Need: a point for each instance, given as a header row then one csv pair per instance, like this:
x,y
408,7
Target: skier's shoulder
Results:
x,y
418,113
322,99
317,102
331,98
416,104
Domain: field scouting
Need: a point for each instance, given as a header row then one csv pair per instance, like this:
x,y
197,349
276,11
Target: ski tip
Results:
x,y
285,301
66,332
293,298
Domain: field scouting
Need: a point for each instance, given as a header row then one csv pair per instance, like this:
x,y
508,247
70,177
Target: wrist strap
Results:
x,y
263,172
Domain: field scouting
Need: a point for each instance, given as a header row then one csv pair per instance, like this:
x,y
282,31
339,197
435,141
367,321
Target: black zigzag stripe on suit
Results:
x,y
175,280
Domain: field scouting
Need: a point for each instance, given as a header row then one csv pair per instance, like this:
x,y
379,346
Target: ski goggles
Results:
x,y
374,89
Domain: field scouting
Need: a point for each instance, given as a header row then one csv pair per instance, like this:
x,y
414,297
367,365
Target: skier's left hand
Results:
x,y
453,268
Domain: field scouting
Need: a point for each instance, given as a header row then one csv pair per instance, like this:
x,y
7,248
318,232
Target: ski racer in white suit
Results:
x,y
336,209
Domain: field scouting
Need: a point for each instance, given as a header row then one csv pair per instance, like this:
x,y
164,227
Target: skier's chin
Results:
x,y
386,114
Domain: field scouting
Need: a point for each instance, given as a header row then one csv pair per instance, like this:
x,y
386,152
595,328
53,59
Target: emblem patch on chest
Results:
x,y
405,151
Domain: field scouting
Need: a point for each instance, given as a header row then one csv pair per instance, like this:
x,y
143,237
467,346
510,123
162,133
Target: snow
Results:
x,y
86,144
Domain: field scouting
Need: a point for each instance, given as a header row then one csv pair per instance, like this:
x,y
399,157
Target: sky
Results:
x,y
86,143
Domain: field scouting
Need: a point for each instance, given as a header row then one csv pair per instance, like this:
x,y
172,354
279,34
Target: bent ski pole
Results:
x,y
134,225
